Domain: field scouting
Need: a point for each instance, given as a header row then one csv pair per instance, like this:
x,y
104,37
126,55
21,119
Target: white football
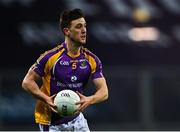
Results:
x,y
65,101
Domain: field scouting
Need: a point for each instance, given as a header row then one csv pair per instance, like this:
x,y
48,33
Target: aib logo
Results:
x,y
73,78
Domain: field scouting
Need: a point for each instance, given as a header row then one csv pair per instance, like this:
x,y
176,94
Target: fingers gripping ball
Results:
x,y
65,101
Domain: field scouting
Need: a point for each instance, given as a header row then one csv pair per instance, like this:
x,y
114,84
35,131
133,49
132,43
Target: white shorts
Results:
x,y
77,124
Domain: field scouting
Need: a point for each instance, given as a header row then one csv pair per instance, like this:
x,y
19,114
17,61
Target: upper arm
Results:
x,y
101,89
100,83
31,76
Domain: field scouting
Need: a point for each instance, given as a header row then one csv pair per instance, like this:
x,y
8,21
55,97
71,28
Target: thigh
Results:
x,y
80,124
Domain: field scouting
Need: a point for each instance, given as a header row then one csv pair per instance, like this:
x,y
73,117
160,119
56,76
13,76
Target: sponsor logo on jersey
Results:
x,y
69,85
73,78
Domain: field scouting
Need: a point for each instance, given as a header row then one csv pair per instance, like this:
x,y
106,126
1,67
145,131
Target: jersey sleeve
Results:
x,y
97,72
45,62
40,65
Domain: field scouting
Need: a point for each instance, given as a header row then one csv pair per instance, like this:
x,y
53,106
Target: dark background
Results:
x,y
143,76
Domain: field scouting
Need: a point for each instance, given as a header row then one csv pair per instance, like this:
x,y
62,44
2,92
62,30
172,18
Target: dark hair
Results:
x,y
69,15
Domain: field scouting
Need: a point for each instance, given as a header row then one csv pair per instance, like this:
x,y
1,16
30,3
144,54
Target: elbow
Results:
x,y
106,96
24,84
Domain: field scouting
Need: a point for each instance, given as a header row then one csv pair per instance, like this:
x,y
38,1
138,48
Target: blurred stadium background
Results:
x,y
138,42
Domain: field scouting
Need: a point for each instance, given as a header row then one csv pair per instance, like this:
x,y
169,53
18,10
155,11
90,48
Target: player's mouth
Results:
x,y
83,37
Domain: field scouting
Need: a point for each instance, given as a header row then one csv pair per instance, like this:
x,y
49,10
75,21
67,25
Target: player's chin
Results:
x,y
83,42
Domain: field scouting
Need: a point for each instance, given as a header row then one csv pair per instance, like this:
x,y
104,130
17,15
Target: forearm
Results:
x,y
99,96
33,89
101,93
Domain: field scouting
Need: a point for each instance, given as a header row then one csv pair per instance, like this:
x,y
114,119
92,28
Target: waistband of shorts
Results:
x,y
65,120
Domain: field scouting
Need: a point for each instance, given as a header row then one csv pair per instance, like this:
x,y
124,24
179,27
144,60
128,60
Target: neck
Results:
x,y
72,48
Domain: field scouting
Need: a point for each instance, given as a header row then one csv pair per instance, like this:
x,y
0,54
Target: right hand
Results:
x,y
50,102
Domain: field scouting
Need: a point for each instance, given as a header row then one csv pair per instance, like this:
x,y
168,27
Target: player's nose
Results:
x,y
83,31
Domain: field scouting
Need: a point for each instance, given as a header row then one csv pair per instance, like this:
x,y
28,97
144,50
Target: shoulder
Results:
x,y
90,55
49,53
93,60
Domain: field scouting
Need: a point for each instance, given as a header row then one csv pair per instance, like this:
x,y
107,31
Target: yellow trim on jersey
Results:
x,y
91,60
51,61
42,111
92,63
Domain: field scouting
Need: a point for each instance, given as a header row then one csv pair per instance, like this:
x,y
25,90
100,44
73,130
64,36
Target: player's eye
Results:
x,y
79,26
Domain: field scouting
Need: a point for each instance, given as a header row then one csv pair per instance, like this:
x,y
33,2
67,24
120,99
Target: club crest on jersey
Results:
x,y
83,64
73,78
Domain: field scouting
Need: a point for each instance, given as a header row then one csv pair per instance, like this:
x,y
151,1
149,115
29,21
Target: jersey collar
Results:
x,y
71,55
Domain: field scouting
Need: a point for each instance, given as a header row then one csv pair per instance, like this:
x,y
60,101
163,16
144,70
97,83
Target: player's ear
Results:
x,y
66,31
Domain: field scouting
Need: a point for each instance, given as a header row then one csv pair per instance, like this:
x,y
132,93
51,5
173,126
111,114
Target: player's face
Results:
x,y
77,31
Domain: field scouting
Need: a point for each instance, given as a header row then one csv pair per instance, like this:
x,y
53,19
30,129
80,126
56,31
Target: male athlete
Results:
x,y
67,66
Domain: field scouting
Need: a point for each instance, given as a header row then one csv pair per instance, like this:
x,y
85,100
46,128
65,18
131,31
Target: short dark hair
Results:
x,y
69,15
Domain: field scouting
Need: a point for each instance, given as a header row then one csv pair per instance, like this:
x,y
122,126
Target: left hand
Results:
x,y
84,102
